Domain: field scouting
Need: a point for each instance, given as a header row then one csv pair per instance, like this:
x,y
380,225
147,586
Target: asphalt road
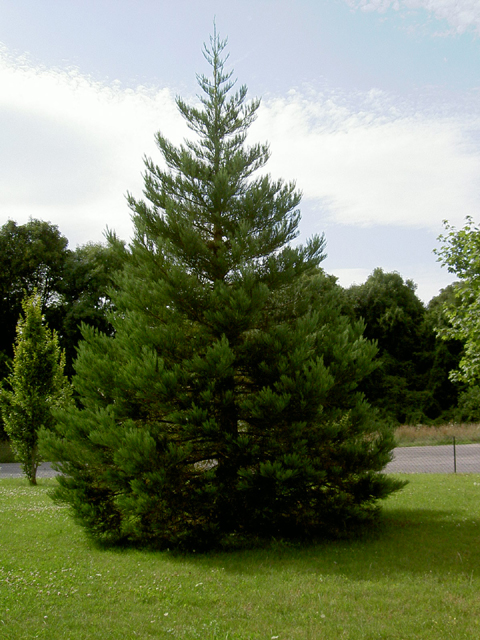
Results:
x,y
13,470
437,459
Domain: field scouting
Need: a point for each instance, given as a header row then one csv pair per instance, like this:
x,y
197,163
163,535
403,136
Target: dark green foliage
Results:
x,y
469,405
73,285
446,355
34,388
411,381
32,258
226,403
85,294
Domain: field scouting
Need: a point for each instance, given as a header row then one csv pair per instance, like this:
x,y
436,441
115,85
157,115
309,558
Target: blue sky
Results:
x,y
371,106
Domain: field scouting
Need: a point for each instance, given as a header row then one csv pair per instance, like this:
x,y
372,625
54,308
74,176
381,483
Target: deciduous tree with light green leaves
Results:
x,y
35,387
225,405
460,254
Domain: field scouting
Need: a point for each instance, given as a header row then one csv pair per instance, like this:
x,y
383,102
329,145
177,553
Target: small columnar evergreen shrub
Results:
x,y
35,387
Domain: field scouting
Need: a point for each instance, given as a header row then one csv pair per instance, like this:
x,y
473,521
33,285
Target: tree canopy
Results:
x,y
32,258
84,294
460,254
411,381
72,285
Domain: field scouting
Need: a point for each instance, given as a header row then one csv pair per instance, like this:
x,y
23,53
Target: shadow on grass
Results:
x,y
418,542
410,541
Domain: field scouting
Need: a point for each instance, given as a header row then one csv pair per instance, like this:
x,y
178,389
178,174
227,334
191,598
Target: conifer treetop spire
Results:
x,y
213,56
221,118
208,211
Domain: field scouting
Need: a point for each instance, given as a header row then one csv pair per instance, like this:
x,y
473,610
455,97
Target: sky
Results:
x,y
370,106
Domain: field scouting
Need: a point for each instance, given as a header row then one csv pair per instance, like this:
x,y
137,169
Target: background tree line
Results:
x,y
410,384
73,285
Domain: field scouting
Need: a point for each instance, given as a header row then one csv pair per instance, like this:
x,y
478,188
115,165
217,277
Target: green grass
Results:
x,y
417,577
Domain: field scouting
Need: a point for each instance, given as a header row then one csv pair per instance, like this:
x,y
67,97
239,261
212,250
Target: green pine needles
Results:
x,y
35,387
225,405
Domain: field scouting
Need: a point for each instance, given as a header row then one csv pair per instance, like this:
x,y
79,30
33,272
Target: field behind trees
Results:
x,y
414,576
427,435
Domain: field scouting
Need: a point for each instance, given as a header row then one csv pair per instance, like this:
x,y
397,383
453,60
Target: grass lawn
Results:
x,y
418,577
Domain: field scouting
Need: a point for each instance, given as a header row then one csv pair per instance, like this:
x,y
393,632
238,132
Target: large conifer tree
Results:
x,y
226,402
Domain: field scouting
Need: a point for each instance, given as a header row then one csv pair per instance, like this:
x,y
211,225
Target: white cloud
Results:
x,y
72,147
460,14
368,162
